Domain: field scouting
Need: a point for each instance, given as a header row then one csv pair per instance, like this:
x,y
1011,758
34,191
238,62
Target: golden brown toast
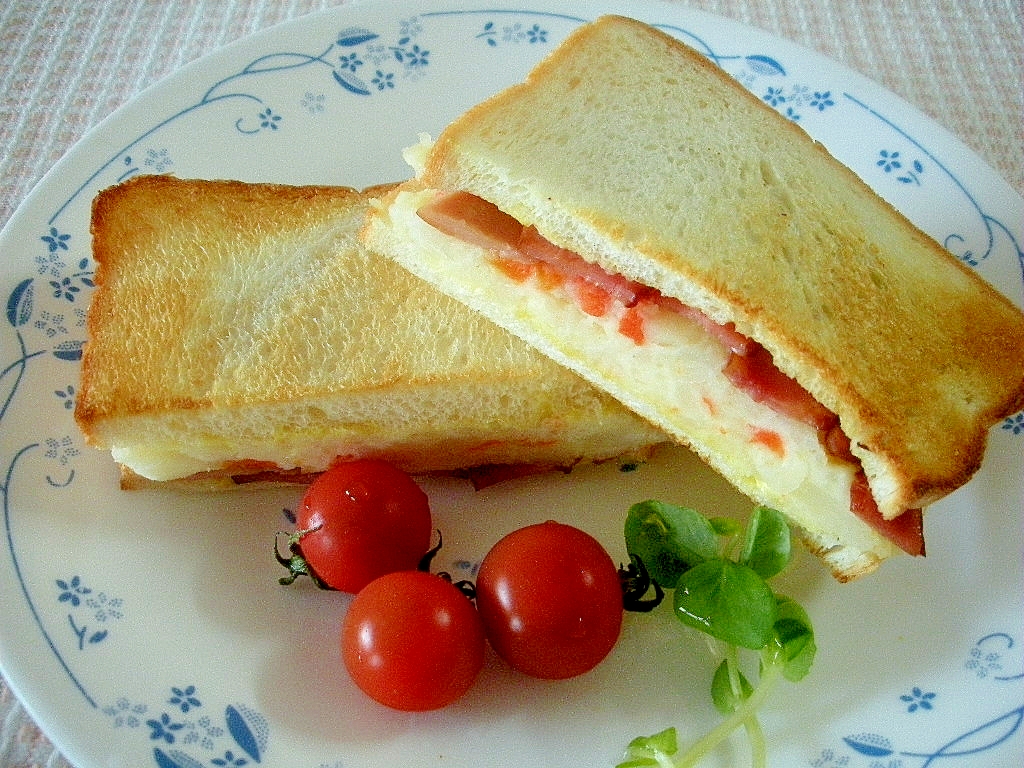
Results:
x,y
240,332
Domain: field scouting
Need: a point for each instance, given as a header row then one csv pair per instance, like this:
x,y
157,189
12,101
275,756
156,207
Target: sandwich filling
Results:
x,y
644,315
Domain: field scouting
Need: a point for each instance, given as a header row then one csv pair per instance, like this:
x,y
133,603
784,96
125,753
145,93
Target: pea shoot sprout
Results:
x,y
718,573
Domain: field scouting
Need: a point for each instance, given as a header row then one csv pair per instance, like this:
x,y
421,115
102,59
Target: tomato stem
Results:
x,y
636,582
296,562
465,586
428,558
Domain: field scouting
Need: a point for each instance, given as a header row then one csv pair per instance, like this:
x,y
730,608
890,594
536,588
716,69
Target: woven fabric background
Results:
x,y
65,65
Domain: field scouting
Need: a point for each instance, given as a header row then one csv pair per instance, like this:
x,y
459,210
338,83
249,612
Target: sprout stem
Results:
x,y
745,715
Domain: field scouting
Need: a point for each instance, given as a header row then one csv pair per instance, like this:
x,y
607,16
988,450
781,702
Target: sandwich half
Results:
x,y
637,215
240,333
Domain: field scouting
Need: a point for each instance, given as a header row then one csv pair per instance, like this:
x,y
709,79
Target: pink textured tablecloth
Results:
x,y
66,65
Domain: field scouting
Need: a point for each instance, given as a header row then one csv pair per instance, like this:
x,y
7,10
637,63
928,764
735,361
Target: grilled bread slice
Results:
x,y
240,332
637,215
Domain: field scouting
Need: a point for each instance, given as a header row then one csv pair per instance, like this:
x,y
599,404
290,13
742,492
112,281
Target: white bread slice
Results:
x,y
630,149
240,332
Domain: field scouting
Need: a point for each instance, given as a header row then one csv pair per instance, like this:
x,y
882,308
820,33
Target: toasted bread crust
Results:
x,y
238,323
633,150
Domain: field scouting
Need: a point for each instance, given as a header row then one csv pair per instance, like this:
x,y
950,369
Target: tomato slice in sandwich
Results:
x,y
905,531
521,252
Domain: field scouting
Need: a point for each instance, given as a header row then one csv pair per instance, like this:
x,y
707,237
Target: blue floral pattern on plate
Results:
x,y
180,729
98,610
985,660
188,724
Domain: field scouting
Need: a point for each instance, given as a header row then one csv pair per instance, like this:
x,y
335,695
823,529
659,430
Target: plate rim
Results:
x,y
908,111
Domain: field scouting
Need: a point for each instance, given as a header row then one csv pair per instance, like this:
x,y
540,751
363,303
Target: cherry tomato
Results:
x,y
550,600
412,641
360,520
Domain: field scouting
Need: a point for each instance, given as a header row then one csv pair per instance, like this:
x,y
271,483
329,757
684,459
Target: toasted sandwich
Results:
x,y
240,333
641,218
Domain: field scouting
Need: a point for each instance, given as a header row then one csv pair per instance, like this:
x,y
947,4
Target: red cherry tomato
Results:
x,y
362,519
550,600
412,641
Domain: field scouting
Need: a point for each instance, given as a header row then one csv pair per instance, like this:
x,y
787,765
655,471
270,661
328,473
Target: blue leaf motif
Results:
x,y
870,744
175,759
351,83
355,36
19,303
69,350
248,729
765,65
98,637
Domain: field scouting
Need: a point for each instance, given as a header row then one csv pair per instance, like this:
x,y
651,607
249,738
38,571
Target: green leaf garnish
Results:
x,y
724,692
721,589
793,643
726,526
728,601
651,750
669,539
768,546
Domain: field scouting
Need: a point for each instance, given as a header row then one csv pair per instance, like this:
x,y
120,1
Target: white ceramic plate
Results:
x,y
148,628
